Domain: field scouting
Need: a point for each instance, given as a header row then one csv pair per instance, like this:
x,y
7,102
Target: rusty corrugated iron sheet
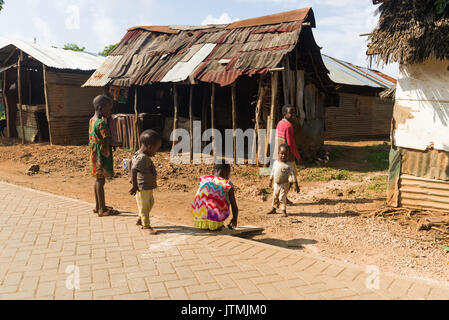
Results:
x,y
101,78
295,15
161,29
424,193
251,46
431,164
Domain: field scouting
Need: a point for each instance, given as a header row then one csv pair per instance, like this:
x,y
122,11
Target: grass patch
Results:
x,y
377,157
327,174
377,185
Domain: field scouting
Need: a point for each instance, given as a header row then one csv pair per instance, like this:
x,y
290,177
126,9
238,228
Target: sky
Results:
x,y
96,23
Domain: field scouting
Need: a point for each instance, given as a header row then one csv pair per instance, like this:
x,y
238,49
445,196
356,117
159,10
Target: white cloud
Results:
x,y
223,19
105,28
43,30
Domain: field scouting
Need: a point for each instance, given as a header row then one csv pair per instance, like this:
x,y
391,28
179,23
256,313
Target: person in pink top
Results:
x,y
285,134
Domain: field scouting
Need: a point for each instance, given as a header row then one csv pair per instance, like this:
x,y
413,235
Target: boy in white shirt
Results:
x,y
283,175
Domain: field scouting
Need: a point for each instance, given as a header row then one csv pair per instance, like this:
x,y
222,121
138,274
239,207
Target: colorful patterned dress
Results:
x,y
101,160
211,206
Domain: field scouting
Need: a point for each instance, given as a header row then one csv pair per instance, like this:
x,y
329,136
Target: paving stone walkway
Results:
x,y
55,248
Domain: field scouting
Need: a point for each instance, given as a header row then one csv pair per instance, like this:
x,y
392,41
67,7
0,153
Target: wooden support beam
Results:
x,y
192,88
258,122
273,115
136,121
19,93
9,57
175,116
47,103
234,120
212,117
7,111
204,114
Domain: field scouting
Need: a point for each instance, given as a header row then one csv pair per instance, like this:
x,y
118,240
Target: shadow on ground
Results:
x,y
294,244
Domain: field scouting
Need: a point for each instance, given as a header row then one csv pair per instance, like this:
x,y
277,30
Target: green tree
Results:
x,y
108,49
1,4
441,5
73,47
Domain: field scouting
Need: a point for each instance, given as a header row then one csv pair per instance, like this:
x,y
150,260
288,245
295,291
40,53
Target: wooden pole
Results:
x,y
136,121
212,117
7,111
191,121
234,119
257,126
19,92
47,104
204,113
175,116
274,103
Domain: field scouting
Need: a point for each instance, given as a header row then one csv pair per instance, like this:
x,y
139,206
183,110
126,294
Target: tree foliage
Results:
x,y
1,4
441,5
108,49
73,47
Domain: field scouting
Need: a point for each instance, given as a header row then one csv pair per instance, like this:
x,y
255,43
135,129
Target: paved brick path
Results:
x,y
43,236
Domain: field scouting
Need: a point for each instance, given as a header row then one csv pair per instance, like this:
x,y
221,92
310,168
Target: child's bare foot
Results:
x,y
107,208
290,203
273,211
139,222
150,230
108,212
285,214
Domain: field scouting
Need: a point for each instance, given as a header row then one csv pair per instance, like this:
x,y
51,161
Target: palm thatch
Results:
x,y
410,31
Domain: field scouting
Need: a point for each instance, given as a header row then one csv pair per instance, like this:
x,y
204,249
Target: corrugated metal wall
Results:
x,y
70,108
359,116
424,193
424,180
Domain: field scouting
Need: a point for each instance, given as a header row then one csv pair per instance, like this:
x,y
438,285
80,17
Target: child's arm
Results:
x,y
130,170
293,176
235,209
135,188
272,174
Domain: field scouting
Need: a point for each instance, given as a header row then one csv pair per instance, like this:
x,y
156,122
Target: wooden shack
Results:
x,y
44,100
231,76
363,112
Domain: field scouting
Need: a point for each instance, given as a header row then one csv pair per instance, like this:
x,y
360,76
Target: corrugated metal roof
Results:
x,y
54,57
156,54
343,72
182,70
101,78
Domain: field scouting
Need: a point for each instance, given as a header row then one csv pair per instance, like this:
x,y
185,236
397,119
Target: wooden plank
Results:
x,y
242,231
258,120
212,117
175,117
192,88
204,113
47,104
274,103
19,92
7,111
136,119
234,120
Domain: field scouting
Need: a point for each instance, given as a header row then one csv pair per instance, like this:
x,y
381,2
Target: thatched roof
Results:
x,y
410,31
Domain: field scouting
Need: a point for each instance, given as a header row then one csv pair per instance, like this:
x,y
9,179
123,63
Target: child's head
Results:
x,y
151,142
288,111
222,169
103,105
284,152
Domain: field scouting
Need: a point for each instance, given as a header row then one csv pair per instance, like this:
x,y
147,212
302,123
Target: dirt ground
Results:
x,y
333,216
